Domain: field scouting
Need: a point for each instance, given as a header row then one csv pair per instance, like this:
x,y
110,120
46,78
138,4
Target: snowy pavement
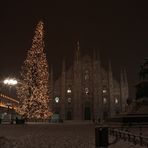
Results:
x,y
53,136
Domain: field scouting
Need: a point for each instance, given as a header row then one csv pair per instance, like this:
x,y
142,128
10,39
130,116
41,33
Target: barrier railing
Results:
x,y
128,136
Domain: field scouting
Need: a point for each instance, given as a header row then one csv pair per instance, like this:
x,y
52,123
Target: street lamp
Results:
x,y
10,82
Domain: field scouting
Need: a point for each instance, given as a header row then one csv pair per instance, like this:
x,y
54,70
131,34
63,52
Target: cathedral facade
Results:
x,y
87,91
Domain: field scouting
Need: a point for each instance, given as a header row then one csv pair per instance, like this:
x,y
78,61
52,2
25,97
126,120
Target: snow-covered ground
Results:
x,y
66,135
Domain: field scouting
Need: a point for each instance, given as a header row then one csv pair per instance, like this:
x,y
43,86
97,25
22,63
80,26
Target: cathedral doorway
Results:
x,y
69,115
87,113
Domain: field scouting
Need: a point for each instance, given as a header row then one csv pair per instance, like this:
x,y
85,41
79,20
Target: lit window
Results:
x,y
57,99
104,91
116,101
104,100
68,90
86,77
86,91
69,100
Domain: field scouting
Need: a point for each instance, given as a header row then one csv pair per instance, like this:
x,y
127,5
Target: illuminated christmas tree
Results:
x,y
33,91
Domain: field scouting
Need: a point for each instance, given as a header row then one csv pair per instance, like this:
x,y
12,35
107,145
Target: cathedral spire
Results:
x,y
124,89
125,76
78,46
63,66
77,55
121,76
94,55
63,88
111,90
98,55
110,67
126,83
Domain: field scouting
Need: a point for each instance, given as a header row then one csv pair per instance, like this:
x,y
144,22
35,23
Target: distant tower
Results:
x,y
51,88
111,91
126,85
97,86
77,85
63,88
124,90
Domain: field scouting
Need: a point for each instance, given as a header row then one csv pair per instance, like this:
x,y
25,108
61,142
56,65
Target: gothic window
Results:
x,y
86,91
57,99
104,100
86,75
69,91
104,91
69,100
116,101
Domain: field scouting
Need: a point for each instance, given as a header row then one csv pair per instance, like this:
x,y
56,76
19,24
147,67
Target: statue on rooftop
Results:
x,y
144,70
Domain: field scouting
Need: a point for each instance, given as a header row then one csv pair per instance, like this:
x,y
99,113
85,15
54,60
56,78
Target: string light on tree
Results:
x,y
33,90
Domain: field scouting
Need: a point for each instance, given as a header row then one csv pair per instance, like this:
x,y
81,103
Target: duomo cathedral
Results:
x,y
88,91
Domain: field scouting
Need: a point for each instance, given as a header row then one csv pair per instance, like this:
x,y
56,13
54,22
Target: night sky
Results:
x,y
118,30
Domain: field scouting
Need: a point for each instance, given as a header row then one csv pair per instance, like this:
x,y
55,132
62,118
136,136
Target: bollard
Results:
x,y
101,137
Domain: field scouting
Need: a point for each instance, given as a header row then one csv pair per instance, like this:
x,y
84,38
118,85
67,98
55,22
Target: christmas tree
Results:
x,y
33,91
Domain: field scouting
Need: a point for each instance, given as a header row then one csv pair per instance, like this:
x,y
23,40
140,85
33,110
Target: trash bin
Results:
x,y
101,137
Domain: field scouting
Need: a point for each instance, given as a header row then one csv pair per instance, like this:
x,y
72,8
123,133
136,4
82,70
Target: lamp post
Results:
x,y
10,82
